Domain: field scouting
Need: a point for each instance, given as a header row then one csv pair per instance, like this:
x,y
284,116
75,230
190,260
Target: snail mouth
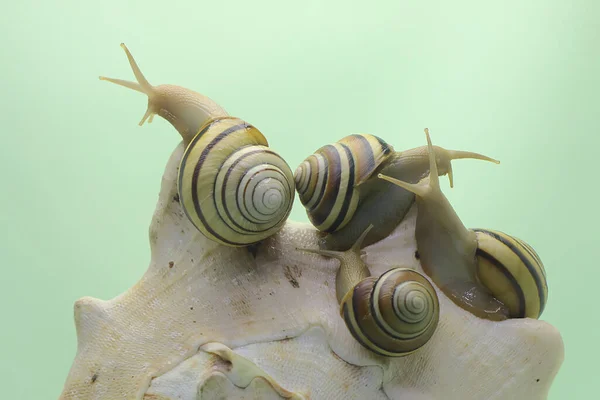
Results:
x,y
149,114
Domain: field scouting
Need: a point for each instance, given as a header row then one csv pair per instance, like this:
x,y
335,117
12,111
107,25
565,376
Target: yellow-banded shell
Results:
x,y
513,272
233,187
326,180
392,315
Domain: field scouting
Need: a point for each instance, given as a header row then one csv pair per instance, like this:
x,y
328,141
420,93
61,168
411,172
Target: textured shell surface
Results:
x,y
208,321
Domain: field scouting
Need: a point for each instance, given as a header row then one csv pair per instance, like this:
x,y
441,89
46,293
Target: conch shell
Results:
x,y
213,322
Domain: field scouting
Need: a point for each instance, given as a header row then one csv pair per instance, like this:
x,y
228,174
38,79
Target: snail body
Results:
x,y
338,187
392,315
232,187
489,273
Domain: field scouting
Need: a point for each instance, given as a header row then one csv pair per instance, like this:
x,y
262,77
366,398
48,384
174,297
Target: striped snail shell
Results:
x,y
512,271
232,186
326,180
392,315
334,184
488,273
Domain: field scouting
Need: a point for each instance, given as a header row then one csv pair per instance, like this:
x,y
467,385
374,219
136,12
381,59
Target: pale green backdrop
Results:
x,y
517,80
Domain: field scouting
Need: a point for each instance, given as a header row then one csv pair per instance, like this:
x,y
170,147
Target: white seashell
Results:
x,y
208,321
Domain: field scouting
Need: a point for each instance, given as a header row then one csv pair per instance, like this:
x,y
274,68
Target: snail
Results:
x,y
335,186
487,272
232,186
392,315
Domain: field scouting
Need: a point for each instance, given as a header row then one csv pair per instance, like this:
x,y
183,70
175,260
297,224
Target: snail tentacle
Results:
x,y
460,154
185,109
142,85
352,269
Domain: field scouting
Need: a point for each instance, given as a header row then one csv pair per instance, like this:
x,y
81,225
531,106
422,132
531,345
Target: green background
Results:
x,y
516,80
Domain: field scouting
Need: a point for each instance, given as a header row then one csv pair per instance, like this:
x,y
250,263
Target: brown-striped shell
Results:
x,y
392,315
326,180
512,271
232,186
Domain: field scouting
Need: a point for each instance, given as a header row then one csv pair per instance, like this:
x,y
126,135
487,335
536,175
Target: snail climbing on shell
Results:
x,y
392,315
232,186
489,273
337,185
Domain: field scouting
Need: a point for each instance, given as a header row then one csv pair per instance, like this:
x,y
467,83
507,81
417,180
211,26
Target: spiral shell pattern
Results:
x,y
513,272
326,180
393,315
233,187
